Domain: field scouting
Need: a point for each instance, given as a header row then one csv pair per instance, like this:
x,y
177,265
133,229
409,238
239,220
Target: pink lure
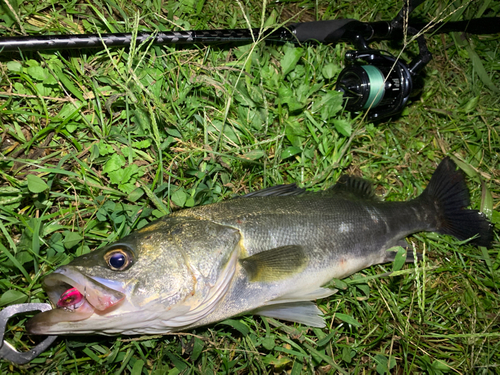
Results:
x,y
70,298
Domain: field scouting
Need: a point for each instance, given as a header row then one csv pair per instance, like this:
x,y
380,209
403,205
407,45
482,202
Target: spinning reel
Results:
x,y
377,82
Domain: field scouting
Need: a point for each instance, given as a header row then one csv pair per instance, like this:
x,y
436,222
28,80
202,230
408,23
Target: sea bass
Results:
x,y
269,253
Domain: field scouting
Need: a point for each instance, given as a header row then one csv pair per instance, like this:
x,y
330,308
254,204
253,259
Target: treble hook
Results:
x,y
7,351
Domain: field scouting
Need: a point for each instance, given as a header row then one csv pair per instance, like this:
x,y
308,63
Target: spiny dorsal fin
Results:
x,y
275,264
278,190
353,187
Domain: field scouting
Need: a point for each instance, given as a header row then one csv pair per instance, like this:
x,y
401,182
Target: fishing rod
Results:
x,y
328,32
373,80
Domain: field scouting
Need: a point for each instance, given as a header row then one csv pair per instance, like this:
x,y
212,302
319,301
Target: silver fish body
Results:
x,y
268,253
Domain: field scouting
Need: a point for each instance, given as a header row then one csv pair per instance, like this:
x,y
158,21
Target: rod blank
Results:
x,y
61,42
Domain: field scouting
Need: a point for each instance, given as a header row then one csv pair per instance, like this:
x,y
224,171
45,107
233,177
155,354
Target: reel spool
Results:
x,y
375,81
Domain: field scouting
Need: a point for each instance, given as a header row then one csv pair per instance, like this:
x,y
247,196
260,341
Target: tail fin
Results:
x,y
448,192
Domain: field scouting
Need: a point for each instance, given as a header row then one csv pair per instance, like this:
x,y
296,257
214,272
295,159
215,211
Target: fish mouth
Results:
x,y
75,297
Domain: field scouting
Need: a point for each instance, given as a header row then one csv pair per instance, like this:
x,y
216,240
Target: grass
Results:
x,y
96,144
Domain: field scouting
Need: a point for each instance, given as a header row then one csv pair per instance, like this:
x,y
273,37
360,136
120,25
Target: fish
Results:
x,y
269,253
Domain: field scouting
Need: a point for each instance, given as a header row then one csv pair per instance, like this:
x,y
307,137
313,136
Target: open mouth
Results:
x,y
75,297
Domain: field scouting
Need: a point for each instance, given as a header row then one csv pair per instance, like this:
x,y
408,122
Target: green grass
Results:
x,y
96,144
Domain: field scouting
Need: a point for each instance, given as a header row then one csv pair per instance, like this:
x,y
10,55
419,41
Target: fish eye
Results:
x,y
118,259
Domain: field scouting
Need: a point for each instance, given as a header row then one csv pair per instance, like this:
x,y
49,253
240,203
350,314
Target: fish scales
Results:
x,y
326,222
341,236
268,253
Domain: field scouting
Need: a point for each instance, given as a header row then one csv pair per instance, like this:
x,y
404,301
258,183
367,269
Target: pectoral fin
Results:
x,y
300,312
275,264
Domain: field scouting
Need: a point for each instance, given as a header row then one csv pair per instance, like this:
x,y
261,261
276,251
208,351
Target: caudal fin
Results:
x,y
448,192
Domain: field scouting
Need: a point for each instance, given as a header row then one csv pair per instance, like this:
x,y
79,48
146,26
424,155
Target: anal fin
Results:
x,y
390,254
302,295
304,312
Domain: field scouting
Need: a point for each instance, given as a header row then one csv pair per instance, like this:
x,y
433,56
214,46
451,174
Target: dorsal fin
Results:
x,y
278,190
349,186
353,187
